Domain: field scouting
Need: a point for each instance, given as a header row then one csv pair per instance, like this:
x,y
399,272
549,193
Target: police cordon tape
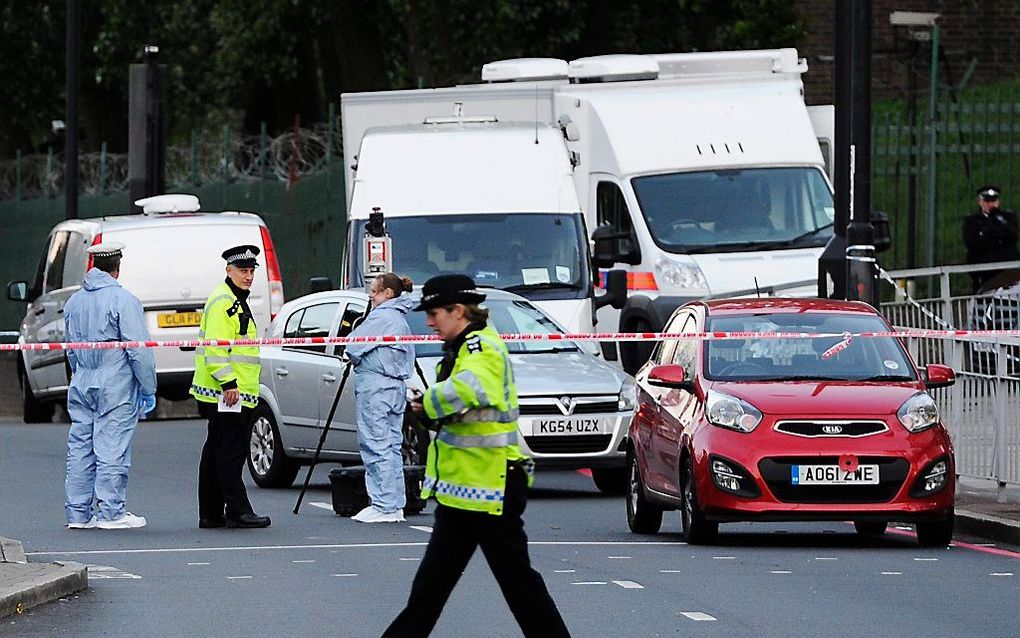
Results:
x,y
509,337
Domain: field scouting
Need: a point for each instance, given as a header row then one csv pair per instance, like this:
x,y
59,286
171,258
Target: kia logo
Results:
x,y
832,429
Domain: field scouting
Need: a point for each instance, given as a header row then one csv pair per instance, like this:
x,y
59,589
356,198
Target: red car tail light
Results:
x,y
276,298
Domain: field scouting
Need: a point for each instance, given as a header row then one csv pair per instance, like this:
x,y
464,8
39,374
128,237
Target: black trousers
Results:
x,y
455,536
219,473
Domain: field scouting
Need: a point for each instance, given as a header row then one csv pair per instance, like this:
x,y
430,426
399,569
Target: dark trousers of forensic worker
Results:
x,y
455,536
223,456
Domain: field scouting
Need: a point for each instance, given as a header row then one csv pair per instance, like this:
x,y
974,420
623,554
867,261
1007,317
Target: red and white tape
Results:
x,y
511,337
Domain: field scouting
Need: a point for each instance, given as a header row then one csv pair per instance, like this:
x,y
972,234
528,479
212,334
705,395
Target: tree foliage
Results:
x,y
240,62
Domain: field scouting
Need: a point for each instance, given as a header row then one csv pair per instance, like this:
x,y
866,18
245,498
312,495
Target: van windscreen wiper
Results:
x,y
802,236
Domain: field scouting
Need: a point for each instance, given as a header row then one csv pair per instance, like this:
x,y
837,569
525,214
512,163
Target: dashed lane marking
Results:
x,y
629,584
345,575
826,558
780,571
1001,574
564,571
922,559
302,561
619,557
248,548
321,505
724,557
670,571
590,582
892,573
697,615
421,528
199,563
410,558
238,577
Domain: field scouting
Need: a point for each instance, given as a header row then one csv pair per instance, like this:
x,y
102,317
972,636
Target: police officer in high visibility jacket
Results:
x,y
475,469
226,376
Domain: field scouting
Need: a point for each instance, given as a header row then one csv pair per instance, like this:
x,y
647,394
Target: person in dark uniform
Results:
x,y
226,386
990,234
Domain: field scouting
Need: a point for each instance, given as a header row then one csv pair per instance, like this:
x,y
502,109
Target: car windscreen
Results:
x,y
736,209
522,252
505,316
821,358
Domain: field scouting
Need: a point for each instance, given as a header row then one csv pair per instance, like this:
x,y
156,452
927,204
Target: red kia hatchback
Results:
x,y
790,429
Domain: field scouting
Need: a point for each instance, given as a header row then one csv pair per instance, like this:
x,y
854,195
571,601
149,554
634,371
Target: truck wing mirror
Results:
x,y
616,290
17,291
612,247
320,284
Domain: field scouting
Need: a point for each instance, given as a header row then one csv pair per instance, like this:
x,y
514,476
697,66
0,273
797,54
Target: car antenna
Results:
x,y
756,289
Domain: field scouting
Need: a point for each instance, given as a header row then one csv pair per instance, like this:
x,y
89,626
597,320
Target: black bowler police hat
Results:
x,y
242,256
446,290
988,193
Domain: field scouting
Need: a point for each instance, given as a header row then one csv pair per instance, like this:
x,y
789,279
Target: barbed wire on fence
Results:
x,y
211,158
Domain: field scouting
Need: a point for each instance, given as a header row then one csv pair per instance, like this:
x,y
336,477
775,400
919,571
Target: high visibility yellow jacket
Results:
x,y
219,367
477,406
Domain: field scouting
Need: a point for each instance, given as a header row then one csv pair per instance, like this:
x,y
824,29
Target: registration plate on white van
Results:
x,y
565,425
833,475
178,319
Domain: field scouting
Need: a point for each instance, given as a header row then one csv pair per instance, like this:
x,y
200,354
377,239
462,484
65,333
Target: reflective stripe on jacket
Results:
x,y
477,405
218,365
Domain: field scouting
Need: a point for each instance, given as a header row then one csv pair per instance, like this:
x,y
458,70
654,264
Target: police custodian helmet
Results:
x,y
242,256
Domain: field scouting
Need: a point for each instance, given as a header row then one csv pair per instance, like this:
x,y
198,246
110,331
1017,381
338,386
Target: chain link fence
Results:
x,y
211,157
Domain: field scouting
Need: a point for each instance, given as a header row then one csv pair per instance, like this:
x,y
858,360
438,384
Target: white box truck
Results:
x,y
697,173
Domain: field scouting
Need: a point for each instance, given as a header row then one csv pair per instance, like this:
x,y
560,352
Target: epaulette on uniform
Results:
x,y
474,344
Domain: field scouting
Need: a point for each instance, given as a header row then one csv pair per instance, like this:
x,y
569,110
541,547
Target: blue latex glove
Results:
x,y
147,403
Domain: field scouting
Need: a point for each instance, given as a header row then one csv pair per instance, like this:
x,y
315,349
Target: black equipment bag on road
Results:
x,y
349,496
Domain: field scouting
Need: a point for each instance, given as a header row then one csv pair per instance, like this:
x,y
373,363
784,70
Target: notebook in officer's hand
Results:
x,y
223,407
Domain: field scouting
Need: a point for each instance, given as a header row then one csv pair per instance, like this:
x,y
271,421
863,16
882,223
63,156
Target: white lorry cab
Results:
x,y
697,173
172,261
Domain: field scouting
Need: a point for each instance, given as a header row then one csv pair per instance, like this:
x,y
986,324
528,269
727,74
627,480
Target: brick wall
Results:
x,y
985,30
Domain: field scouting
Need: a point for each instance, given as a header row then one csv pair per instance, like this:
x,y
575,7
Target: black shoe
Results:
x,y
248,521
211,523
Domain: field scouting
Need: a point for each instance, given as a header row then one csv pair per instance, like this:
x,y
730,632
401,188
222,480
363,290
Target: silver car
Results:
x,y
575,408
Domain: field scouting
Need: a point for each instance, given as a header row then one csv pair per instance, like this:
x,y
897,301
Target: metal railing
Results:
x,y
982,409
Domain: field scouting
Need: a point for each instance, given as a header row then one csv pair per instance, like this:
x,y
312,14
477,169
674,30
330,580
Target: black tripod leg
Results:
x,y
322,439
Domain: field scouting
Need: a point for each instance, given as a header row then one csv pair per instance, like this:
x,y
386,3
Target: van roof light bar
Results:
x,y
765,61
172,203
524,69
613,68
464,119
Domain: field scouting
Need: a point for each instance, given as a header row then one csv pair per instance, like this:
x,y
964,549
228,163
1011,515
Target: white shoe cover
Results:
x,y
128,521
371,514
89,524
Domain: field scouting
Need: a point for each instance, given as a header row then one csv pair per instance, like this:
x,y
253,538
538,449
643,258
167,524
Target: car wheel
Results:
x,y
611,480
34,410
870,528
634,354
267,462
642,516
697,530
935,533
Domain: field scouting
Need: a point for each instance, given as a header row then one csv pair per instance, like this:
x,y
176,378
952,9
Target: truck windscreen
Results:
x,y
537,255
737,209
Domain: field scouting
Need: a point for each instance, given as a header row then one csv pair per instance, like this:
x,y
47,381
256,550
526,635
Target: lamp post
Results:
x,y
71,137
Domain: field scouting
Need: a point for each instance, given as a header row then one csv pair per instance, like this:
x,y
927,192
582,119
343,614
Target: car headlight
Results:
x,y
679,273
628,396
731,412
919,412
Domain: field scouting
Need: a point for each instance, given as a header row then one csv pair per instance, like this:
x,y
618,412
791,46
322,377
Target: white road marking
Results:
x,y
670,571
238,577
780,571
344,575
321,505
564,571
619,557
1001,574
105,572
629,584
892,573
410,559
199,563
697,615
248,548
825,558
929,560
422,528
590,582
724,557
302,561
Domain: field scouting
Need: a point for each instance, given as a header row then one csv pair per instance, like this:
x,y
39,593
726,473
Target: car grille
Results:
x,y
776,473
573,444
819,428
548,406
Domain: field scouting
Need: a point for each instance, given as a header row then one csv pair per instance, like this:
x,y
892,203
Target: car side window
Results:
x,y
611,209
667,348
349,320
54,277
315,322
36,287
76,259
686,349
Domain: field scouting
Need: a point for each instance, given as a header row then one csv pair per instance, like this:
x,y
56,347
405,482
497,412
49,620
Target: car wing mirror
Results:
x,y
320,284
938,376
670,376
17,291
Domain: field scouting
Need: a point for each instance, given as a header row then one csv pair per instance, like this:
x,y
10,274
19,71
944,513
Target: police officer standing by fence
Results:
x,y
226,386
990,234
475,469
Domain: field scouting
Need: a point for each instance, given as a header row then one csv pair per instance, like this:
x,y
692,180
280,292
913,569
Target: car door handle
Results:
x,y
281,372
329,377
39,311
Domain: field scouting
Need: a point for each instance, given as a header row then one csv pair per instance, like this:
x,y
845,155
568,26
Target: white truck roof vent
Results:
x,y
173,203
766,61
613,68
524,69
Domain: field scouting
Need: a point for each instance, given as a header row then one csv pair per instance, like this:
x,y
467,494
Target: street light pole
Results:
x,y
71,132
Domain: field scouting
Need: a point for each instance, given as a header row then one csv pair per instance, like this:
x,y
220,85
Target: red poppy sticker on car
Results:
x,y
848,462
